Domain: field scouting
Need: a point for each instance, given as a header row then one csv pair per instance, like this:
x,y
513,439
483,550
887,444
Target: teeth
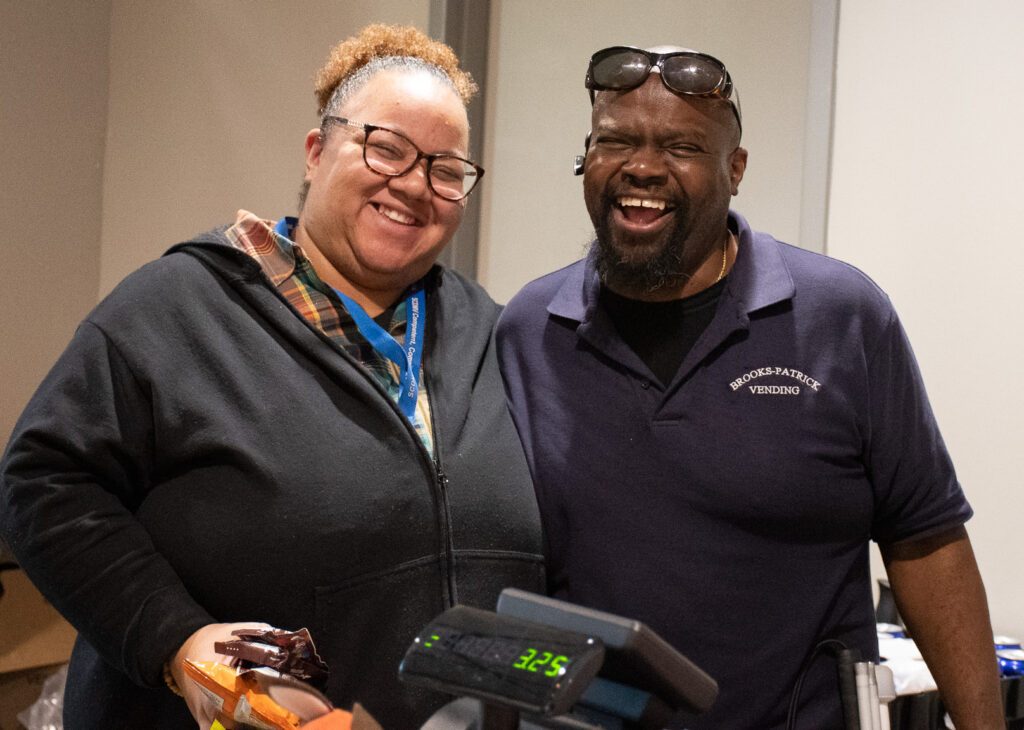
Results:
x,y
396,216
642,203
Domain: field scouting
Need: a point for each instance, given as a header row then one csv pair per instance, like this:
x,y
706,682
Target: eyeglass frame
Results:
x,y
724,89
420,155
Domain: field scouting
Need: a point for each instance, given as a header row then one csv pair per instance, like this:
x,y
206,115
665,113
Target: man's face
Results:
x,y
380,234
658,178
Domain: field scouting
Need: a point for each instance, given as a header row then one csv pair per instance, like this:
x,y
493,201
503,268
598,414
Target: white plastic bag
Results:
x,y
46,712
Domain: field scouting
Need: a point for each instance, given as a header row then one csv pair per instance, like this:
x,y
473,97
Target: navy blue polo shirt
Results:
x,y
731,510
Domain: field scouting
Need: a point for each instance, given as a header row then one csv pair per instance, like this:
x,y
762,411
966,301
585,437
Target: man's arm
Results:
x,y
941,598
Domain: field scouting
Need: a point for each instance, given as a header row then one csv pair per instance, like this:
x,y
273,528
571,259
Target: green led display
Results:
x,y
535,661
497,651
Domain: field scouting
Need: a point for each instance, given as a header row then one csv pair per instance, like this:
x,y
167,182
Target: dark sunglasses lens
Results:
x,y
621,69
692,74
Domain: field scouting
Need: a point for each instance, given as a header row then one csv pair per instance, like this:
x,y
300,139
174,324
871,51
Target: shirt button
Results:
x,y
645,384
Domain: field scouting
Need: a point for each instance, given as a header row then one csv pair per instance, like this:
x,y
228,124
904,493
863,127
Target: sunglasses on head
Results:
x,y
621,68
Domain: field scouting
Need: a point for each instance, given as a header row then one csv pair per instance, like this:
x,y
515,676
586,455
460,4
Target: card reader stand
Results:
x,y
619,675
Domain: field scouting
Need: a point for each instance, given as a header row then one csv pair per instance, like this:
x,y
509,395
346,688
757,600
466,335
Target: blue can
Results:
x,y
890,631
1007,642
1011,662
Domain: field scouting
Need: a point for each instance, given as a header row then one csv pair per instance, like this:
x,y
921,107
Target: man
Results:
x,y
717,423
297,422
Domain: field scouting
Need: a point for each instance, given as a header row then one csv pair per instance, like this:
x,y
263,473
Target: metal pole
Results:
x,y
464,25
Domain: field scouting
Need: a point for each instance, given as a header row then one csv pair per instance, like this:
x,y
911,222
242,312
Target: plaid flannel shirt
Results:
x,y
291,272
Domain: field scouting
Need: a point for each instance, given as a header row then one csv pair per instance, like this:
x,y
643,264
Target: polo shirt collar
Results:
x,y
760,276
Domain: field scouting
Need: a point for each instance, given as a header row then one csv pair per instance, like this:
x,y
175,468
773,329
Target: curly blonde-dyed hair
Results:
x,y
387,41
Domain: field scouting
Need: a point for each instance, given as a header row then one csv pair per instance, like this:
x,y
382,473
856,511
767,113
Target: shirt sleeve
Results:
x,y
915,485
76,467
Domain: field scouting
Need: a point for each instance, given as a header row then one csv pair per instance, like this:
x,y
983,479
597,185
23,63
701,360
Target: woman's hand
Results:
x,y
199,648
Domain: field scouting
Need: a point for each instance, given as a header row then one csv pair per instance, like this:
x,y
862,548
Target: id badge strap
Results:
x,y
407,358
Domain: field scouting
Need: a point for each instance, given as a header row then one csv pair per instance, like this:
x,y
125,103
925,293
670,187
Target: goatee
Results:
x,y
640,265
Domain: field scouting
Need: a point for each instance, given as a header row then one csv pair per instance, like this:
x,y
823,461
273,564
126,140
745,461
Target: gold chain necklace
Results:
x,y
725,257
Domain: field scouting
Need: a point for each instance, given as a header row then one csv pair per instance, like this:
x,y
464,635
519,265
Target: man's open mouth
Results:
x,y
643,210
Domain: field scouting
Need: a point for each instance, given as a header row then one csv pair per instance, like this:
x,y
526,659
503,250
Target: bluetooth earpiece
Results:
x,y
580,160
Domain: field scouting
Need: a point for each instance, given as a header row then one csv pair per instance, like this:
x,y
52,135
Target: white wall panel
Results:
x,y
928,172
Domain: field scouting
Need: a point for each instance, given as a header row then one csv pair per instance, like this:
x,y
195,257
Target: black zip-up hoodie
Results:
x,y
201,454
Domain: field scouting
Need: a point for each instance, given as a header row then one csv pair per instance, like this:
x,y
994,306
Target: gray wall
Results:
x,y
53,114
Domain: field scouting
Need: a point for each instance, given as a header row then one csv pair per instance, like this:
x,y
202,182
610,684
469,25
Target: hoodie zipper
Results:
x,y
437,478
444,506
448,569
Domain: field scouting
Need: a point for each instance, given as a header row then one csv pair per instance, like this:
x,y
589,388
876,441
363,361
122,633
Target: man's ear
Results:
x,y
737,166
314,147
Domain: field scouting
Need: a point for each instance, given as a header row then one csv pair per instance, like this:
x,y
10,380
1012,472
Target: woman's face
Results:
x,y
372,233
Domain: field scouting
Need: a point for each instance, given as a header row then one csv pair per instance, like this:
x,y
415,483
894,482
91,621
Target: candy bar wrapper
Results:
x,y
289,652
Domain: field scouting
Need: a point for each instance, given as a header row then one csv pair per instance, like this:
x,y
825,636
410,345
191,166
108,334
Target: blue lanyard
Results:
x,y
284,226
408,358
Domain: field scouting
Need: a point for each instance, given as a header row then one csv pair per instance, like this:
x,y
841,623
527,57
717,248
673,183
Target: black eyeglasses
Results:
x,y
620,68
389,153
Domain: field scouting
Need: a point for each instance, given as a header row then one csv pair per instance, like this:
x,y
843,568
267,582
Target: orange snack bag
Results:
x,y
238,698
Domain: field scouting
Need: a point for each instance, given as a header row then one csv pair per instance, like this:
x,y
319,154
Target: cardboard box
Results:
x,y
34,642
32,633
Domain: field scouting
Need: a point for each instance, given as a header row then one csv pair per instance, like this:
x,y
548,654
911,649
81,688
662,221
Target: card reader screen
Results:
x,y
537,668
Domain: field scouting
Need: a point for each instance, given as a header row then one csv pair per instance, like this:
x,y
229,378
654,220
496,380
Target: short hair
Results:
x,y
380,47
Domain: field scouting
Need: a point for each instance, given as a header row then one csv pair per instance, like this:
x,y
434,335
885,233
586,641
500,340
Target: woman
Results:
x,y
298,424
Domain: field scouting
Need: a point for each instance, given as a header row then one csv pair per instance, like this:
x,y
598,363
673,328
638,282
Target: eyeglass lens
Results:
x,y
699,75
622,70
687,74
391,154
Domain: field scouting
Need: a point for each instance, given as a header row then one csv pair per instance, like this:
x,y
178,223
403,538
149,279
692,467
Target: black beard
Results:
x,y
625,272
